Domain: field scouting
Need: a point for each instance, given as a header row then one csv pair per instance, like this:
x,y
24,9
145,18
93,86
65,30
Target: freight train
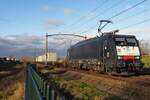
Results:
x,y
108,53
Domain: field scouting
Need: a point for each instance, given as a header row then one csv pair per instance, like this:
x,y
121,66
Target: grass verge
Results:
x,y
12,86
79,89
146,61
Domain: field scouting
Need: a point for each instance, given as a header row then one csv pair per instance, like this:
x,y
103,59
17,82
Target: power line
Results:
x,y
113,6
135,24
127,9
123,11
134,15
99,6
89,29
90,12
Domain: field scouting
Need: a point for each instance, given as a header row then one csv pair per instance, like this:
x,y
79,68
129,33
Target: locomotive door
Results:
x,y
106,54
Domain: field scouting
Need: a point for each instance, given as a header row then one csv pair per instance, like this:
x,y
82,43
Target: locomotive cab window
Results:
x,y
126,41
131,41
120,41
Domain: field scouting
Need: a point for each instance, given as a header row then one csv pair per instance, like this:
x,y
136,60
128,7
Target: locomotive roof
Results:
x,y
124,36
95,38
85,41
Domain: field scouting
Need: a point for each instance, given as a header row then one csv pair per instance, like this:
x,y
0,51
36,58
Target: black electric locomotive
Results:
x,y
108,53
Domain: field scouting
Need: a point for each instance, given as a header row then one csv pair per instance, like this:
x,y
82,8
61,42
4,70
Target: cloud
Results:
x,y
32,44
45,8
4,20
54,23
68,11
140,32
18,45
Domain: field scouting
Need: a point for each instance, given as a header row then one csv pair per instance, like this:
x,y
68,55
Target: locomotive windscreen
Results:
x,y
131,41
125,41
120,41
127,46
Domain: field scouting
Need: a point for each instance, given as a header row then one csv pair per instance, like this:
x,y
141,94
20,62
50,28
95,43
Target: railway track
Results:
x,y
143,80
97,74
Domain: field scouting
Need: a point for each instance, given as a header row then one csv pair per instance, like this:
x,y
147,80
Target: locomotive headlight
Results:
x,y
137,57
119,57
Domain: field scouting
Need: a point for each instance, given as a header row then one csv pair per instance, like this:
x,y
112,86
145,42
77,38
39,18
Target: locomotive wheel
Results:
x,y
109,71
116,70
102,69
80,67
74,66
91,70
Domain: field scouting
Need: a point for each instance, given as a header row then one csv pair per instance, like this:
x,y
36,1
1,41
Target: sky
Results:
x,y
23,23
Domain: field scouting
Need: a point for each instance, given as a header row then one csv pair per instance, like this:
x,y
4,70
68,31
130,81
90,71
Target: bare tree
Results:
x,y
145,46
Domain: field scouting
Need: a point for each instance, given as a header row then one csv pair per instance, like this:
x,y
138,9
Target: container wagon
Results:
x,y
51,58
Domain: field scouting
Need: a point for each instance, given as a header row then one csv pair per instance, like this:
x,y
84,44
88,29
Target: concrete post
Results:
x,y
46,49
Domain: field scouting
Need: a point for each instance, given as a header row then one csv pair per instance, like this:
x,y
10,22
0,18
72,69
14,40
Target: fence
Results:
x,y
39,88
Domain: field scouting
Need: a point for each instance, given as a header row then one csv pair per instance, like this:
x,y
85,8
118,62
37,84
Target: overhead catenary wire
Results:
x,y
131,7
121,12
103,12
132,16
135,24
113,6
90,12
89,28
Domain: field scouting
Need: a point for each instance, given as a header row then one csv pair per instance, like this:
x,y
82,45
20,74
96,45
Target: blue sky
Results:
x,y
33,18
38,16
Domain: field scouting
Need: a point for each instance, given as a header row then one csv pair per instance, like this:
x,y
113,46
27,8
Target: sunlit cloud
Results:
x,y
54,22
68,11
29,44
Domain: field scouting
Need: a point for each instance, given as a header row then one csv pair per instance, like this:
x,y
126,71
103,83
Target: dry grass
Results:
x,y
84,91
18,93
40,66
12,86
128,88
102,87
81,90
